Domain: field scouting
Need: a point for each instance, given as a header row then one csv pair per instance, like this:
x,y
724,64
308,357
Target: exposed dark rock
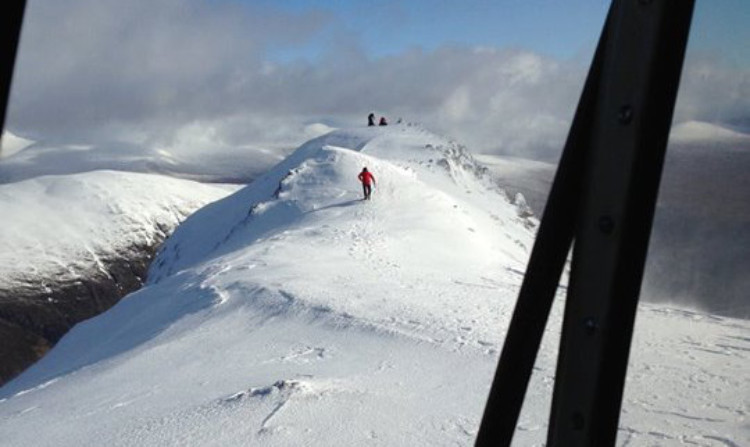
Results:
x,y
20,348
34,317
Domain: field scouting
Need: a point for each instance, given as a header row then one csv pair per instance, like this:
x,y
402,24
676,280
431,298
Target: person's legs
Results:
x,y
368,190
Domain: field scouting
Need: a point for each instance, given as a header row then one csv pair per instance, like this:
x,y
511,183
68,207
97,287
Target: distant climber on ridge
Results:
x,y
367,180
383,122
371,119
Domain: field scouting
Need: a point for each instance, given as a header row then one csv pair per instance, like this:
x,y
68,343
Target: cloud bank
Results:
x,y
154,73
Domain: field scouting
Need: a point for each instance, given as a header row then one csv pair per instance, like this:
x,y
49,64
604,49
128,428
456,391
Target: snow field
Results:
x,y
293,313
60,226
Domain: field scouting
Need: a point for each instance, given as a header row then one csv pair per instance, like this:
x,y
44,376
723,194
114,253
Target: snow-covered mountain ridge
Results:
x,y
419,176
72,245
195,159
699,252
303,231
59,226
293,313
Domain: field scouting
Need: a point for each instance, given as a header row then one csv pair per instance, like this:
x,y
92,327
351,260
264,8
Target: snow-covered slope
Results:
x,y
702,132
531,178
72,245
699,252
60,226
293,313
206,162
11,144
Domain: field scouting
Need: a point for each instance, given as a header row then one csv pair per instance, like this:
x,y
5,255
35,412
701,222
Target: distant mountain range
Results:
x,y
700,247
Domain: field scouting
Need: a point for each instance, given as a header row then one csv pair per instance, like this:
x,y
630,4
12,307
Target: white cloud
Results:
x,y
86,65
147,71
457,106
713,90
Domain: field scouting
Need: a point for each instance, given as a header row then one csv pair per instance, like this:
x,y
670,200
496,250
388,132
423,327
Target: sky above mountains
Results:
x,y
501,77
389,28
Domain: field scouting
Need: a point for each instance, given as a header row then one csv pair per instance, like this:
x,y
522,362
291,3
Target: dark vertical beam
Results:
x,y
604,192
543,272
10,31
642,66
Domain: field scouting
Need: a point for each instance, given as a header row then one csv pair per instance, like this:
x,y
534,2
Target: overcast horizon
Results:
x,y
500,77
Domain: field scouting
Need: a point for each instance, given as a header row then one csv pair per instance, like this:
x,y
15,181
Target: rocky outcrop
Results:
x,y
34,317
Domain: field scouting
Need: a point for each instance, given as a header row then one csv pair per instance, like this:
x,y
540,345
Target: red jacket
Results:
x,y
366,178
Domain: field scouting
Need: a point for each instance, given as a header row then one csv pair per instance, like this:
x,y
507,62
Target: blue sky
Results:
x,y
556,28
722,27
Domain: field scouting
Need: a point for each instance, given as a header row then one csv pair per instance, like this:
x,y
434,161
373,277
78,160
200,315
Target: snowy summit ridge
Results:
x,y
419,175
293,313
288,275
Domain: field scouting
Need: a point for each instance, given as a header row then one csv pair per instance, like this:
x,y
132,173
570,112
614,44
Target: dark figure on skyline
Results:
x,y
383,122
371,119
367,180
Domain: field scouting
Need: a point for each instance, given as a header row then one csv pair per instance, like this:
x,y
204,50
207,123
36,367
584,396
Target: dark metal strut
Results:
x,y
603,195
10,31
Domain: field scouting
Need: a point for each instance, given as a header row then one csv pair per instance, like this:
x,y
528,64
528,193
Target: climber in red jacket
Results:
x,y
367,180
